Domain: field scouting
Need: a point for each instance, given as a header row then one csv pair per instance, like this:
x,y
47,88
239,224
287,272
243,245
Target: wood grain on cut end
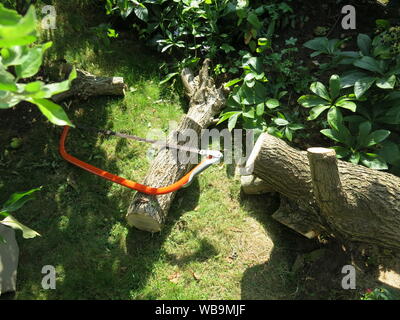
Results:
x,y
143,222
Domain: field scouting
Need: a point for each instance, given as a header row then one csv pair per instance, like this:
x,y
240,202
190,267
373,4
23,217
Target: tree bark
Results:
x,y
148,212
86,85
348,201
253,185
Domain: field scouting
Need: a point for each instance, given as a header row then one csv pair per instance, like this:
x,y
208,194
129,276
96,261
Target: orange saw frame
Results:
x,y
212,157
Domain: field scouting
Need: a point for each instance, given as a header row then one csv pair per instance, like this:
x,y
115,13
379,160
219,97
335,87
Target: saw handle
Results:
x,y
125,182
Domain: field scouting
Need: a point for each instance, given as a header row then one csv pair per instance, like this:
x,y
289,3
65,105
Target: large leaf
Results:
x,y
32,61
317,44
18,199
334,86
331,134
15,30
370,64
52,111
253,20
335,118
390,151
7,81
364,43
386,82
373,161
320,90
254,95
232,121
362,85
377,137
363,131
350,78
316,111
349,105
27,233
272,103
58,87
142,13
309,101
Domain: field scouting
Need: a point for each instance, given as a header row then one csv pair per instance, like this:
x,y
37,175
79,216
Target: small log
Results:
x,y
351,202
148,212
86,85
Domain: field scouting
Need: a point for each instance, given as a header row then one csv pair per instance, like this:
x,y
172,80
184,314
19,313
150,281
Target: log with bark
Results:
x,y
148,212
322,194
87,85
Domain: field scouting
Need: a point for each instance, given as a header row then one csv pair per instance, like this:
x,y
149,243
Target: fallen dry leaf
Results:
x,y
174,278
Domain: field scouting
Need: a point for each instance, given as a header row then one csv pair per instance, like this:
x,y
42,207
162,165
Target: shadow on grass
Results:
x,y
82,217
299,268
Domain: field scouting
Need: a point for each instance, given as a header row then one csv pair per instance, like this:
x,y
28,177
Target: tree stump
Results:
x,y
148,212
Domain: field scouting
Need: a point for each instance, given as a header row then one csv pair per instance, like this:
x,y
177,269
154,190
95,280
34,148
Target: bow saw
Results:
x,y
211,157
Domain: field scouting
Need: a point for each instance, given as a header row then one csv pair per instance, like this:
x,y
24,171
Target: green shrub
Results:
x,y
20,61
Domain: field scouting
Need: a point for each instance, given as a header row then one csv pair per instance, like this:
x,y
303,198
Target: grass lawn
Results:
x,y
216,244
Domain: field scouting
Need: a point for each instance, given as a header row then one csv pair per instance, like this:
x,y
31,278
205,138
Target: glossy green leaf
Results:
x,y
350,105
364,43
386,82
232,121
373,161
335,118
362,85
52,111
370,64
334,86
309,101
272,103
331,134
316,111
18,199
377,137
320,90
20,32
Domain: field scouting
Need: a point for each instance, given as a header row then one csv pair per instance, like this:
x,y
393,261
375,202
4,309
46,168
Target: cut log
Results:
x,y
148,212
86,85
253,185
351,202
